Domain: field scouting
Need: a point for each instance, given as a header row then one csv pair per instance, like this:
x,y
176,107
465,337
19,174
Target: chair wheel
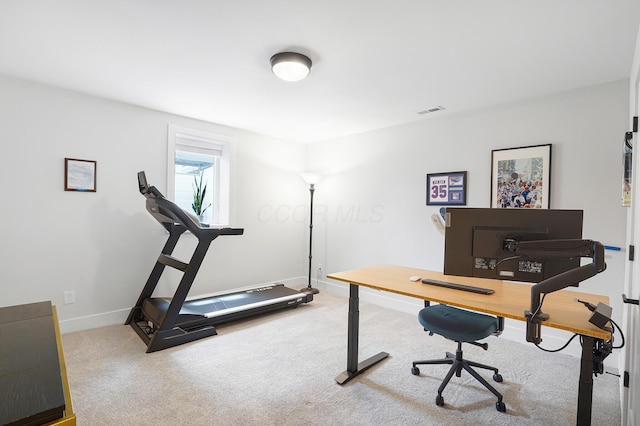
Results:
x,y
501,407
415,371
497,378
439,401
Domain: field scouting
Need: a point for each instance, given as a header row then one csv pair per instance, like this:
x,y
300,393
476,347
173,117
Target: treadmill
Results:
x,y
166,322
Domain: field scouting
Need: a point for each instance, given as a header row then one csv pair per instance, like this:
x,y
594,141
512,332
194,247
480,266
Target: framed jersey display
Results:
x,y
447,189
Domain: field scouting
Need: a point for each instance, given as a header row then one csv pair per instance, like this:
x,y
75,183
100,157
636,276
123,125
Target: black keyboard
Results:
x,y
455,286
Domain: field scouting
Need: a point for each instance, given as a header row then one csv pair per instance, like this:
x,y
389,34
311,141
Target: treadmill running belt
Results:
x,y
226,305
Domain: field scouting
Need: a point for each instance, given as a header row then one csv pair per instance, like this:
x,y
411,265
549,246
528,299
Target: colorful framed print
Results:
x,y
520,177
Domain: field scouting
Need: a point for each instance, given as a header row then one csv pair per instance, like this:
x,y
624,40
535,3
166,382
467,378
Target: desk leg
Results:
x,y
585,385
353,367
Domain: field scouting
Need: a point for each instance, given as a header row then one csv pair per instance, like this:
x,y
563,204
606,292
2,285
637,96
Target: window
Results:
x,y
199,159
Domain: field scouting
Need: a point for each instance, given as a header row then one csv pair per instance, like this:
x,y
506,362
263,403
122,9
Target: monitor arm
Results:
x,y
549,249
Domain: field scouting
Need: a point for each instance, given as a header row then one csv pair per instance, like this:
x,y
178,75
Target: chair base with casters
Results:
x,y
463,327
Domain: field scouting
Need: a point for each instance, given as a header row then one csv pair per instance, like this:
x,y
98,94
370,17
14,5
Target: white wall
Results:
x,y
370,208
103,245
380,178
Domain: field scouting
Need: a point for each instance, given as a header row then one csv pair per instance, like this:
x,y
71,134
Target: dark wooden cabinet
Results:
x,y
33,385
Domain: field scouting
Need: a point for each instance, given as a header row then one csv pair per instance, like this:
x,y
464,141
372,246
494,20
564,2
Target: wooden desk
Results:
x,y
510,300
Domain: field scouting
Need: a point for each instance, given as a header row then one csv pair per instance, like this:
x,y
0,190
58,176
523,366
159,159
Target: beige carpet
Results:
x,y
279,369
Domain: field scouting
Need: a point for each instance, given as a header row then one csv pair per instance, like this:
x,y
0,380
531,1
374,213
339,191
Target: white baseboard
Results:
x,y
93,321
120,316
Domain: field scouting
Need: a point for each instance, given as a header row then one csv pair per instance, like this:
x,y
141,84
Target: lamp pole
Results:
x,y
312,179
310,289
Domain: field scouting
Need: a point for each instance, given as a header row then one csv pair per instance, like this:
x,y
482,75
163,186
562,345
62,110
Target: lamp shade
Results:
x,y
290,66
311,178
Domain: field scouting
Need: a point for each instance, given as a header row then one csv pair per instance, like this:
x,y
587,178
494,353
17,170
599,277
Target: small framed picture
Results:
x,y
447,189
520,177
79,175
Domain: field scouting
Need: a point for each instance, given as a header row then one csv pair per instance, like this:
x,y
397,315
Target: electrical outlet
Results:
x,y
69,297
320,268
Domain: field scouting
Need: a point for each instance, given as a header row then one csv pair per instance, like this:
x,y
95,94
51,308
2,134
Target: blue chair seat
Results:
x,y
457,324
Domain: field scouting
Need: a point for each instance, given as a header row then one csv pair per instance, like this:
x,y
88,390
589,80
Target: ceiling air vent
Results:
x,y
430,110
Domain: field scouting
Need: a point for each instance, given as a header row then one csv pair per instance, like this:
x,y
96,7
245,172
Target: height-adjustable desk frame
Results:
x,y
509,300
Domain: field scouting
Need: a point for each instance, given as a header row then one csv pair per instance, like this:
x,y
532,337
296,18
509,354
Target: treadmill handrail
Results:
x,y
170,214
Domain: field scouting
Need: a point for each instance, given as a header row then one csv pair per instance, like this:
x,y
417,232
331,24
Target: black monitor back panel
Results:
x,y
474,242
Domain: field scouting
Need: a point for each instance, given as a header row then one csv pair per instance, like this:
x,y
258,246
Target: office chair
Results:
x,y
463,327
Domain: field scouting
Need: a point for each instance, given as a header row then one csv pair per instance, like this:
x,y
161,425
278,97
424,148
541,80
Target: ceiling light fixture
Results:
x,y
290,66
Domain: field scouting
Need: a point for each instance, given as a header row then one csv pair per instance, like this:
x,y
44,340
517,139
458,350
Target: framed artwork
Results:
x,y
447,189
520,177
79,175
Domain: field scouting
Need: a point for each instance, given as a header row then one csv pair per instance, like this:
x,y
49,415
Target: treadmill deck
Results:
x,y
226,307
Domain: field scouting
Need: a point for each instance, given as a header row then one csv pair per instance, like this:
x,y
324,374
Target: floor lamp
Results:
x,y
312,179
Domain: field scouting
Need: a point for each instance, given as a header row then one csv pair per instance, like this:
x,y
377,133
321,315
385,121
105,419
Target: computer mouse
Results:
x,y
415,278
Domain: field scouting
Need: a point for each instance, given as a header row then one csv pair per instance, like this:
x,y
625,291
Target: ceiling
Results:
x,y
375,63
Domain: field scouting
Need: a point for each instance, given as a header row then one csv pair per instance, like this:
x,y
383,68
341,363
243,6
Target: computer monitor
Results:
x,y
540,246
475,241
